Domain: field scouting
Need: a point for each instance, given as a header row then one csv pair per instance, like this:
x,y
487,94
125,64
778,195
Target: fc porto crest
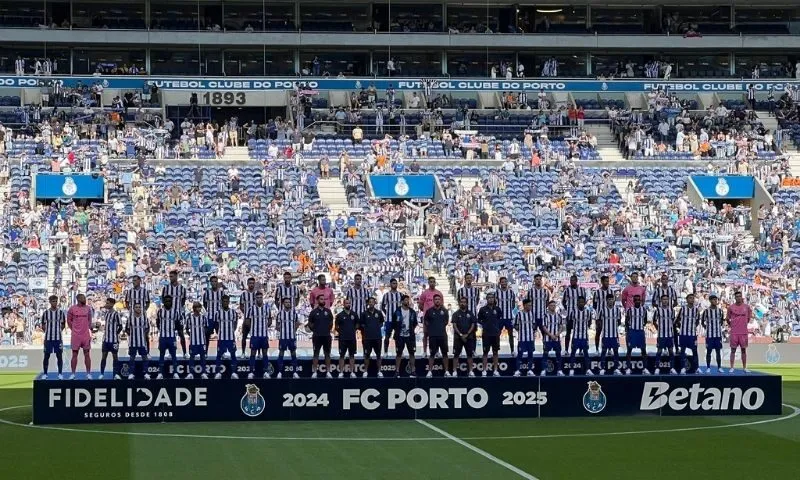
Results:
x,y
124,370
772,356
69,188
252,403
401,187
270,369
410,368
722,188
549,368
594,400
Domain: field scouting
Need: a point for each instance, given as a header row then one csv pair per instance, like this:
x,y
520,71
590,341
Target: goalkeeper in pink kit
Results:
x,y
739,314
79,318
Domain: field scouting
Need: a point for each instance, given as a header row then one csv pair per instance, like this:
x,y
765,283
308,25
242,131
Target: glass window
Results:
x,y
706,20
335,18
699,66
279,17
769,66
174,15
108,60
616,65
552,19
407,18
471,64
762,20
211,61
408,63
470,19
114,15
258,62
568,65
22,14
175,62
241,16
334,62
618,20
29,53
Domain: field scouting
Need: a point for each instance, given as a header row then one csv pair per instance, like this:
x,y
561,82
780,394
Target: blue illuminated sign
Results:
x,y
403,186
350,84
51,186
725,187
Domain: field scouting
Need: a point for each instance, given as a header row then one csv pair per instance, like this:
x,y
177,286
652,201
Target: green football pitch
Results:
x,y
637,447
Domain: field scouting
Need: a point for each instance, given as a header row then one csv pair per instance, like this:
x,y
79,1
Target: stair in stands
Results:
x,y
332,195
606,144
237,154
443,285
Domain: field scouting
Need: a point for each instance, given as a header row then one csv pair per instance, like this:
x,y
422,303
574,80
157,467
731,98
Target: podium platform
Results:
x,y
182,400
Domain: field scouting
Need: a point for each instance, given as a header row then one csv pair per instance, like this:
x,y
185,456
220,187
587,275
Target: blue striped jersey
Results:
x,y
286,321
113,326
226,322
259,317
506,300
167,321
636,317
660,290
178,294
196,325
666,321
53,322
580,322
526,324
552,322
569,300
358,299
137,296
712,319
247,299
137,331
599,297
689,318
610,317
390,303
287,291
212,299
539,298
473,296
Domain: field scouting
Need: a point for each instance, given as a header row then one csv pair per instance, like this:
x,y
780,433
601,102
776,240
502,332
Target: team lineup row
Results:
x,y
396,318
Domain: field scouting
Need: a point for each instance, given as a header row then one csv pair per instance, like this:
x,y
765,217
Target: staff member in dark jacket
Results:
x,y
464,325
346,325
404,324
370,323
436,320
320,322
489,316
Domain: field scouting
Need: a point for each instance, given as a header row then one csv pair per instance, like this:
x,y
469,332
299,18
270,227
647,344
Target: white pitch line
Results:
x,y
482,453
795,413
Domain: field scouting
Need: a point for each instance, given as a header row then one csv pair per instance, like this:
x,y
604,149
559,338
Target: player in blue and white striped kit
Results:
x,y
196,324
260,318
580,318
53,323
138,330
550,325
712,320
609,317
687,321
167,321
525,323
287,323
664,320
111,333
390,303
225,323
507,301
635,320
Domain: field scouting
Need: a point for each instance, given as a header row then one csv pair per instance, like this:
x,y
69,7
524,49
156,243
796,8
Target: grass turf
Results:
x,y
560,448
